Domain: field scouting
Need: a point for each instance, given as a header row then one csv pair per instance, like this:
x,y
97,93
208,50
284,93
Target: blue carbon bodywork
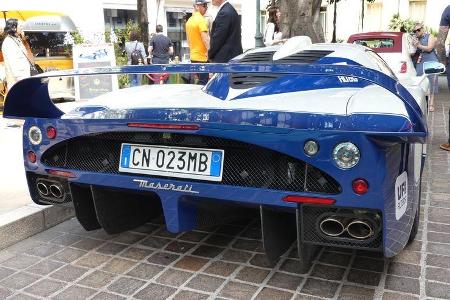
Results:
x,y
386,142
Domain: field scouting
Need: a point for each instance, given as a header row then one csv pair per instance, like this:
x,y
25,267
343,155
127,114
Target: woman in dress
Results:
x,y
425,45
273,34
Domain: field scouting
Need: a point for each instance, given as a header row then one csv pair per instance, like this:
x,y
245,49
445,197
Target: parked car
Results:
x,y
395,48
320,139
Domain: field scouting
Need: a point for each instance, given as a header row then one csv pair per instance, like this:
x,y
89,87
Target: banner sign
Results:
x,y
92,56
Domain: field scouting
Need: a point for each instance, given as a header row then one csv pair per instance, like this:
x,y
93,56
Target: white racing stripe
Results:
x,y
335,101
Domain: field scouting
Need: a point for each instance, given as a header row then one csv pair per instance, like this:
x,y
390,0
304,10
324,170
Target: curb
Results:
x,y
29,220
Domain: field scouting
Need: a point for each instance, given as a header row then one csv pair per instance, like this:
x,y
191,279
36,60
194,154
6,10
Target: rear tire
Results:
x,y
415,226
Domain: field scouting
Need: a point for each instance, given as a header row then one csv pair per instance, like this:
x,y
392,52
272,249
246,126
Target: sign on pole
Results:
x,y
92,56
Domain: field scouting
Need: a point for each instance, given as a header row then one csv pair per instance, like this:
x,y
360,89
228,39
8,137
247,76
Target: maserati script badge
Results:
x,y
187,188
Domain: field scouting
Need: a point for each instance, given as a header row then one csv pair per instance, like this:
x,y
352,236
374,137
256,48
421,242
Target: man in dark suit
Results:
x,y
225,33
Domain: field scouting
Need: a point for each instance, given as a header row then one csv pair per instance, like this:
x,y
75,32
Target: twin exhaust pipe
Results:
x,y
50,189
335,226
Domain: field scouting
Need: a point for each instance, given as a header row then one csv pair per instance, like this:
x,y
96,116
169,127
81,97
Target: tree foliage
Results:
x,y
406,25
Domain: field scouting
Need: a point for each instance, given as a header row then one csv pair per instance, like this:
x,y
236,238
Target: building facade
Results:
x,y
377,15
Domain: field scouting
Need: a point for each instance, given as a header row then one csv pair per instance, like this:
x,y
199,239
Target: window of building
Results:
x,y
417,10
118,18
373,17
176,31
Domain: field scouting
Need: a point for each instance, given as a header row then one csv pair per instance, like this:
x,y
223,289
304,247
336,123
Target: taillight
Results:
x,y
61,173
165,126
51,132
360,186
31,157
309,200
403,67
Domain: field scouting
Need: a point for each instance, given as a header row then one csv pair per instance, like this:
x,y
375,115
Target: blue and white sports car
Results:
x,y
320,139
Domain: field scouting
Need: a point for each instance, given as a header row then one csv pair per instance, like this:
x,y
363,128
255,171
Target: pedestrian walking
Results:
x,y
440,49
226,41
273,34
161,47
18,64
198,37
136,56
426,52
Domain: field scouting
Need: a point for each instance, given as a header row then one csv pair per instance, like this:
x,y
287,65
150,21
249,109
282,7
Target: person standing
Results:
x,y
226,40
136,56
425,47
198,37
273,34
160,48
440,49
17,63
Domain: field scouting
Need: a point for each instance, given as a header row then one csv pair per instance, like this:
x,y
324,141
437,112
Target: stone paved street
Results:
x,y
227,262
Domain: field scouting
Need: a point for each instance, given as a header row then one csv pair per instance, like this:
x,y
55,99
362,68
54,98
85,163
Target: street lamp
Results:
x,y
258,36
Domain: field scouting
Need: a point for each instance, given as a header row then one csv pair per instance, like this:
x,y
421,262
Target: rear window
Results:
x,y
376,43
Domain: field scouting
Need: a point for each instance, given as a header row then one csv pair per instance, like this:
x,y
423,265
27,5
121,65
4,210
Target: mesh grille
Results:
x,y
244,165
310,233
250,80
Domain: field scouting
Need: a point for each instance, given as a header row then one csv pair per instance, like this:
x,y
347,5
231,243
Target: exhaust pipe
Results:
x,y
360,229
42,188
332,226
56,191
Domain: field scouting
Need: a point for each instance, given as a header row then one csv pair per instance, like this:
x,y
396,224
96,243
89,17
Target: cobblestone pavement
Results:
x,y
227,262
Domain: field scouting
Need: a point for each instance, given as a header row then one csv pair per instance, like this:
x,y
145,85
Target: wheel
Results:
x,y
416,221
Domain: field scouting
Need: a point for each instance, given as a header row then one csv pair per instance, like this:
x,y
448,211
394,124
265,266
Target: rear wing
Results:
x,y
30,98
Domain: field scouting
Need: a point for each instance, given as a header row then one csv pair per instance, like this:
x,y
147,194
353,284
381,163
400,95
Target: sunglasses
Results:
x,y
417,30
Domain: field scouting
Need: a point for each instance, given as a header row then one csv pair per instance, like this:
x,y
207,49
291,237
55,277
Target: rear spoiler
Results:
x,y
29,97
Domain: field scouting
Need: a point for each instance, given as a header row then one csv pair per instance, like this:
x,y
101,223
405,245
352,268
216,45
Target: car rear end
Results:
x,y
393,47
310,151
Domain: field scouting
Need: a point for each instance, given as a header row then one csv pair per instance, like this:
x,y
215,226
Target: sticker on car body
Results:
x,y
401,195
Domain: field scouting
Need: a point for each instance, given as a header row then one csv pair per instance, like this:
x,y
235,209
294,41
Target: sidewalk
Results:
x,y
19,216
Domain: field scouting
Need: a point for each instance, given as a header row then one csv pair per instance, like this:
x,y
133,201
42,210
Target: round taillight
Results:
x,y
360,186
51,132
31,157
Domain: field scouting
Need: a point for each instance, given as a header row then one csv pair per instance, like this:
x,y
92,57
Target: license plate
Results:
x,y
203,164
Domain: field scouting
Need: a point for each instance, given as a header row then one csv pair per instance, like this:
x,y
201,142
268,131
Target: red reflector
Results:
x,y
308,200
165,126
360,186
31,157
61,173
403,67
51,132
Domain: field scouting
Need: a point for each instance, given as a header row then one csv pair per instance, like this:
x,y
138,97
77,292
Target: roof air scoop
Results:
x,y
292,46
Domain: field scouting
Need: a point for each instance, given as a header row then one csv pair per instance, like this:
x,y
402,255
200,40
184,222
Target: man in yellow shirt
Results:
x,y
198,36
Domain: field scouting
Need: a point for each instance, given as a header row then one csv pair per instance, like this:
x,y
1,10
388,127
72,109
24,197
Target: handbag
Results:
x,y
35,69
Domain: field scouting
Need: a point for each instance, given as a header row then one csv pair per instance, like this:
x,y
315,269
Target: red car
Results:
x,y
394,47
